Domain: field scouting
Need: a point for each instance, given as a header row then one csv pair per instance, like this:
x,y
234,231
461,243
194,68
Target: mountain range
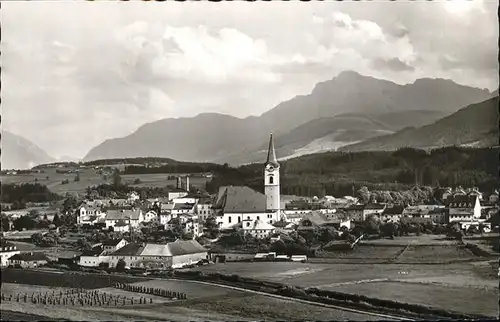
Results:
x,y
347,109
349,112
475,125
20,153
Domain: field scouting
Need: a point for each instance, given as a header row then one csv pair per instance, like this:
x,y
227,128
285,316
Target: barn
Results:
x,y
159,256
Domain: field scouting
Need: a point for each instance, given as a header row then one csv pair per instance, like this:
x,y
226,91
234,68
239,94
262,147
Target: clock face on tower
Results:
x,y
270,168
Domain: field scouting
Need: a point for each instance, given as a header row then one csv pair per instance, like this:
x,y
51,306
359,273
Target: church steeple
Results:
x,y
271,153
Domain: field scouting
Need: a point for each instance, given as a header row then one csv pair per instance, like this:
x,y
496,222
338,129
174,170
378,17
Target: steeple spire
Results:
x,y
271,154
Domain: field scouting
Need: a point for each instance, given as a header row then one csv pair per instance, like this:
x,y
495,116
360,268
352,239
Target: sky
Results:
x,y
77,73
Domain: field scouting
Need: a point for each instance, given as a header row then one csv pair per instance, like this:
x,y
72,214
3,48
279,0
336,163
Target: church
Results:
x,y
243,207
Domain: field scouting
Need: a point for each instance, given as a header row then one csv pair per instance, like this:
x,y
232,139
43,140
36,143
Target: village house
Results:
x,y
171,255
131,217
373,208
392,213
112,245
7,250
150,216
318,220
355,212
464,209
258,228
94,257
89,213
28,260
183,209
193,226
439,215
204,209
121,226
419,211
176,193
132,197
68,257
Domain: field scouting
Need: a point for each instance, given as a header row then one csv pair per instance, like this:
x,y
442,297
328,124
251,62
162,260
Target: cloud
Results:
x,y
393,64
135,64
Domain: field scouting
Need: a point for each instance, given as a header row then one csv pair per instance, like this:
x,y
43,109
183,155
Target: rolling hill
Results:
x,y
475,126
20,153
222,138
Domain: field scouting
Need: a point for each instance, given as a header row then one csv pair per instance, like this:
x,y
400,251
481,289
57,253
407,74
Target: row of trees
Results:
x,y
340,173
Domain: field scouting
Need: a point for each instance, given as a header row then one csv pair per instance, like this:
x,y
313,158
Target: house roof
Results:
x,y
29,257
183,206
112,242
69,254
261,225
183,247
271,153
167,206
354,207
123,214
316,219
394,210
374,206
132,249
177,248
121,223
240,199
461,201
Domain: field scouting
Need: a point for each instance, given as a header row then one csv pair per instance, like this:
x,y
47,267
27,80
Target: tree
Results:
x,y
371,225
77,177
5,223
57,221
83,244
211,227
117,179
137,181
24,222
120,265
363,194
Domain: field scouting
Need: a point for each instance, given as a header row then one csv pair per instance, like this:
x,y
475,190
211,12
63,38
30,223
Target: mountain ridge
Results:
x,y
20,153
215,137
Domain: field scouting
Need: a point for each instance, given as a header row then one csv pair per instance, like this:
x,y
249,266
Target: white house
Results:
x,y
112,245
183,209
150,216
132,197
165,218
89,213
258,228
132,217
204,210
464,208
392,213
194,227
176,193
373,209
7,250
94,257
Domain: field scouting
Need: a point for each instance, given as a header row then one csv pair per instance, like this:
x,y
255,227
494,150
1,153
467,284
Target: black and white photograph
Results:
x,y
249,160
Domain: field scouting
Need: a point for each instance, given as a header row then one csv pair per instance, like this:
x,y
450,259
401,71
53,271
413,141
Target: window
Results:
x,y
258,217
248,224
229,219
239,219
271,180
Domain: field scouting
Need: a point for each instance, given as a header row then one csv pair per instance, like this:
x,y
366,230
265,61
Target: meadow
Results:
x,y
204,302
428,275
90,177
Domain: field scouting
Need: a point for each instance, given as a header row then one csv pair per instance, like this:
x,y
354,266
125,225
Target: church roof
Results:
x,y
271,153
240,199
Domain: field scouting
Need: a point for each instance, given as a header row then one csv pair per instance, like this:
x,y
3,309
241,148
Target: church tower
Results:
x,y
272,180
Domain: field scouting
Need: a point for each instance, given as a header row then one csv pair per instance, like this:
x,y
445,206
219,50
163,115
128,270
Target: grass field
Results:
x,y
460,299
391,279
437,254
89,177
205,302
428,240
